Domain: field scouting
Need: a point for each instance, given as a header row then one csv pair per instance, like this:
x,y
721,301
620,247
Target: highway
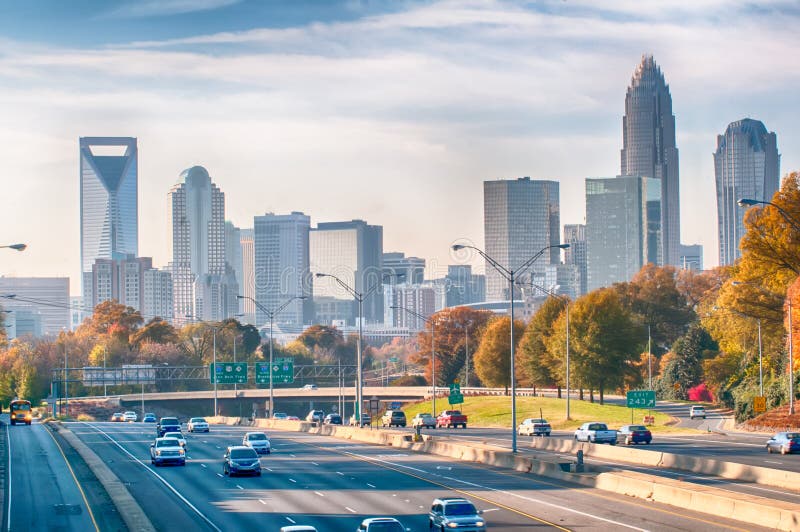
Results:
x,y
43,490
333,484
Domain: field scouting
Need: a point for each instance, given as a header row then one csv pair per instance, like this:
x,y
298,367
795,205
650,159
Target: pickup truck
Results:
x,y
451,418
596,433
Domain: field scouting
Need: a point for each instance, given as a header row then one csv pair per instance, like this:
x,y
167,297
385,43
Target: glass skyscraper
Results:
x,y
649,149
109,199
746,165
520,217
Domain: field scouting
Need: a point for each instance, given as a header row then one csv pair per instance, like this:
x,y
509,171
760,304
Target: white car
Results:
x,y
129,416
534,427
197,424
178,436
310,387
258,441
280,415
697,411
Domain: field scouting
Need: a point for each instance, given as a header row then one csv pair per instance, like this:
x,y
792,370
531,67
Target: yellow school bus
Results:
x,y
19,411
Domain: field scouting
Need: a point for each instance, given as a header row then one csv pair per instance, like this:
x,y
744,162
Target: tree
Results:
x,y
493,358
322,336
111,317
157,331
605,341
684,369
539,365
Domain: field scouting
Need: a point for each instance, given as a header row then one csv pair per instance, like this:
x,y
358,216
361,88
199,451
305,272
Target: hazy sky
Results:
x,y
392,112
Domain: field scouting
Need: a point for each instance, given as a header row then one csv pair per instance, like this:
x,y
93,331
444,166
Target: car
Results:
x,y
534,427
292,418
381,524
178,436
310,387
298,528
197,424
366,420
167,424
117,416
594,432
316,416
395,418
257,441
241,460
455,512
130,416
424,420
697,411
166,451
332,419
451,418
149,418
280,415
784,443
629,434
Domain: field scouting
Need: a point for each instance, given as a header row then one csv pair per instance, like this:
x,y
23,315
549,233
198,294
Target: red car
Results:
x,y
629,434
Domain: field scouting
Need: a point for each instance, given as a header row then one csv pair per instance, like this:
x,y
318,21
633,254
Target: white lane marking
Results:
x,y
316,464
268,469
350,510
340,473
290,454
238,486
320,494
159,477
509,493
220,475
773,462
292,480
262,501
203,465
291,520
372,486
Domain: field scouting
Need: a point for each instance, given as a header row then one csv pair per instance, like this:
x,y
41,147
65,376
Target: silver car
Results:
x,y
455,512
258,441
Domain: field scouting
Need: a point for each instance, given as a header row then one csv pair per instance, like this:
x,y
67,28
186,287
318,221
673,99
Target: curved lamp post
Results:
x,y
271,315
745,202
17,247
510,275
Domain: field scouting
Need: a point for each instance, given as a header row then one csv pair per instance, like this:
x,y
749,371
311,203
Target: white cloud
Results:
x,y
157,8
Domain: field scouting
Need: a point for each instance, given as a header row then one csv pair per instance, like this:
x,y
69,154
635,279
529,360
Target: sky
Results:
x,y
393,112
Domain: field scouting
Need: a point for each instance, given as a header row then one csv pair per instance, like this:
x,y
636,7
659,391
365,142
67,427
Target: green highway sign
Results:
x,y
228,372
394,360
641,399
282,371
455,398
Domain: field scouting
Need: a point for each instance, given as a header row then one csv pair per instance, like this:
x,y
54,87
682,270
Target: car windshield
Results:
x,y
794,436
253,437
637,427
169,421
171,442
176,435
385,527
538,421
461,508
242,454
198,420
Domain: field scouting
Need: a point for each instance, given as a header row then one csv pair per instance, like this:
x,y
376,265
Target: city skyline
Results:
x,y
293,126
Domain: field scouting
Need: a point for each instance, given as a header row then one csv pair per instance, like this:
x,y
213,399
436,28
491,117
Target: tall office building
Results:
x,y
405,269
418,298
520,218
649,149
198,245
133,282
623,228
692,257
746,165
353,252
247,286
109,199
233,250
462,286
575,236
281,252
41,305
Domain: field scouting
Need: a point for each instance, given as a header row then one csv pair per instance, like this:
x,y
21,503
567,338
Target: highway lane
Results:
x,y
43,492
333,484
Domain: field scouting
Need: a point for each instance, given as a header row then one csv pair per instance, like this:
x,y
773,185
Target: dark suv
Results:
x,y
395,418
167,424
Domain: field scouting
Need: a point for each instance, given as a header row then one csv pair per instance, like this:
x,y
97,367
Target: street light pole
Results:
x,y
216,411
16,247
649,360
430,320
791,359
510,275
745,202
760,364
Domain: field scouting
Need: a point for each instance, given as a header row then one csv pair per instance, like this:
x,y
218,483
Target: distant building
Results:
x,y
691,257
575,236
157,294
133,282
623,228
462,286
353,252
564,279
418,298
649,148
248,283
520,217
405,269
746,165
233,254
109,198
198,247
282,270
42,303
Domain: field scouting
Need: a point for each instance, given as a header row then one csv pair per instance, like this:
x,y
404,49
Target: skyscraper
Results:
x,y
248,285
520,217
410,270
352,251
648,147
622,228
109,199
282,268
233,254
198,246
746,165
575,236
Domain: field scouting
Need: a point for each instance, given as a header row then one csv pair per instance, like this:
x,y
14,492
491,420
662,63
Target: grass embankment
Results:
x,y
495,411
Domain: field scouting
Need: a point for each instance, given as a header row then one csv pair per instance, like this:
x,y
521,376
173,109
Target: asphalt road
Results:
x,y
333,484
44,493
